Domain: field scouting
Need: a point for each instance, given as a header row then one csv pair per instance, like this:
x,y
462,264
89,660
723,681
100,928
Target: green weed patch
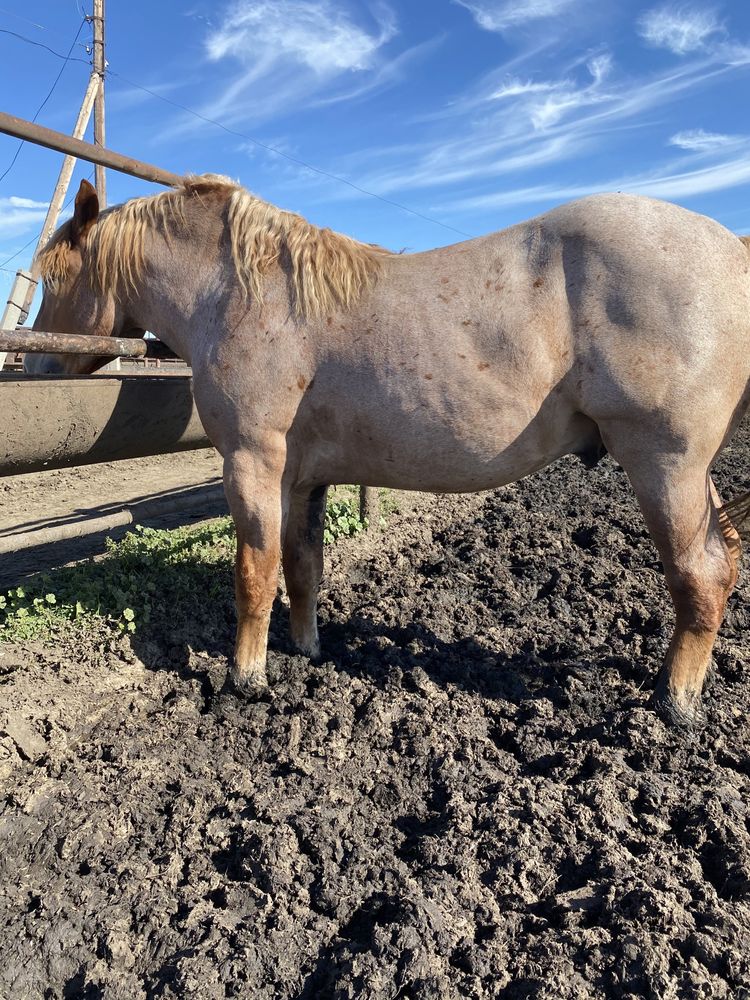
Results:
x,y
145,576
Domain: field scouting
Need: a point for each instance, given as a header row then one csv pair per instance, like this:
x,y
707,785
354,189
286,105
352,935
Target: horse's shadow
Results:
x,y
409,656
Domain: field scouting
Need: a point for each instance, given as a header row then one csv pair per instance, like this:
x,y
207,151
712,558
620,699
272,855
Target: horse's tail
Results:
x,y
738,509
738,512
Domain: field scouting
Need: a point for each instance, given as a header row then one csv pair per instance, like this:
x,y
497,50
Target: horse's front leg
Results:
x,y
253,487
303,565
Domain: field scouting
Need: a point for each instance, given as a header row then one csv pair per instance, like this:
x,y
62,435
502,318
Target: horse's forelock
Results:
x,y
54,260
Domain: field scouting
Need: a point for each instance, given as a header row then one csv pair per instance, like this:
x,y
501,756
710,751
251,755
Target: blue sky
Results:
x,y
474,113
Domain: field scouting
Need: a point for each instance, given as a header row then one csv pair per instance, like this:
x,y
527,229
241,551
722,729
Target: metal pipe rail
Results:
x,y
25,341
48,137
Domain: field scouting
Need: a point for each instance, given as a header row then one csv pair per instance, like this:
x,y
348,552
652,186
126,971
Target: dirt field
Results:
x,y
469,798
39,501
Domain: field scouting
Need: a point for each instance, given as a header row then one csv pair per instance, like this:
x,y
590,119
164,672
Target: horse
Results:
x,y
613,323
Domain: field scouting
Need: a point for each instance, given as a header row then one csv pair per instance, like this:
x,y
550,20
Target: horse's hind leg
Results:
x,y
699,552
253,489
302,558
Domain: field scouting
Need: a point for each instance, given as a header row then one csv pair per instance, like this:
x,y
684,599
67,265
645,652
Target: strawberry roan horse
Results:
x,y
613,321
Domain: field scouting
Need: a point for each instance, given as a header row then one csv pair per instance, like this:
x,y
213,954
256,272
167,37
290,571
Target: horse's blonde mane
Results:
x,y
327,269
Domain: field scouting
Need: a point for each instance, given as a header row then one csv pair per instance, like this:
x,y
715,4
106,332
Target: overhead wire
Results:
x,y
20,17
44,102
287,156
41,45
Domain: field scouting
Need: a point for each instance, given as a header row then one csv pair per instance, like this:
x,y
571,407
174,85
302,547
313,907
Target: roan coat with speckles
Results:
x,y
614,322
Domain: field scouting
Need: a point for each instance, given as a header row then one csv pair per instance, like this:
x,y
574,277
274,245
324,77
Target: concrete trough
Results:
x,y
55,421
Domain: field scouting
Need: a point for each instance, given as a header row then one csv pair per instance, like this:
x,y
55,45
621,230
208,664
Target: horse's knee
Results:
x,y
253,491
255,577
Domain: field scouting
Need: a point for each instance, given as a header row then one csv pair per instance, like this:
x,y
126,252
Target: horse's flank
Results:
x,y
738,509
328,270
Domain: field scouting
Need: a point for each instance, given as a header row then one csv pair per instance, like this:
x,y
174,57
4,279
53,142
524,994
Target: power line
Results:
x,y
41,106
20,17
288,156
41,45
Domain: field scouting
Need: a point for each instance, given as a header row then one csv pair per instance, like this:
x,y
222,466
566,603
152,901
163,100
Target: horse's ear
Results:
x,y
86,211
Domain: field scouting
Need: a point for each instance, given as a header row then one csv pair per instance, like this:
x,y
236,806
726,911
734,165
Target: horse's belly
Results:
x,y
462,450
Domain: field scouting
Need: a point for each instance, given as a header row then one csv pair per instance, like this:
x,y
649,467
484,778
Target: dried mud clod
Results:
x,y
469,796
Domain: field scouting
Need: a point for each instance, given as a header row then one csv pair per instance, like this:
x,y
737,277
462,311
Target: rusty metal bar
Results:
x,y
27,341
53,422
48,137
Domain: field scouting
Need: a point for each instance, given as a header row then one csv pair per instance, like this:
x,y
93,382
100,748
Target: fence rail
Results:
x,y
42,136
25,341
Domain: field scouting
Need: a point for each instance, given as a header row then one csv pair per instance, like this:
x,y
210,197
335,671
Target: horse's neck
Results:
x,y
176,297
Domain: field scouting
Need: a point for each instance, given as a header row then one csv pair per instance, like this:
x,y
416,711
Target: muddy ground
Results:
x,y
470,797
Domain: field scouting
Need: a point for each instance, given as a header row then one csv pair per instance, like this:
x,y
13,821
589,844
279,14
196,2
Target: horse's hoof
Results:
x,y
254,686
308,647
682,710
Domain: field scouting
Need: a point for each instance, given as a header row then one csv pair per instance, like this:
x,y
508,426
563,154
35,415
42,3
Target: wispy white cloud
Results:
x,y
681,29
381,76
16,202
273,56
318,34
700,140
525,125
656,184
457,163
600,66
501,15
19,215
567,96
513,87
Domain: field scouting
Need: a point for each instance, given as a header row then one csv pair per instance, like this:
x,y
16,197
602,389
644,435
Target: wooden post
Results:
x,y
24,285
66,171
369,507
99,69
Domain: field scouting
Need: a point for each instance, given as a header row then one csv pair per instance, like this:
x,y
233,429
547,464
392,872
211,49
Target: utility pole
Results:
x,y
99,69
24,285
22,293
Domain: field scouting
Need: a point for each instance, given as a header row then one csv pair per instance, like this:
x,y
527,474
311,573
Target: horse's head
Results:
x,y
74,301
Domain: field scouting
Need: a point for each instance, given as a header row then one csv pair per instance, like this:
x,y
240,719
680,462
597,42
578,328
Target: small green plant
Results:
x,y
342,519
146,576
142,575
